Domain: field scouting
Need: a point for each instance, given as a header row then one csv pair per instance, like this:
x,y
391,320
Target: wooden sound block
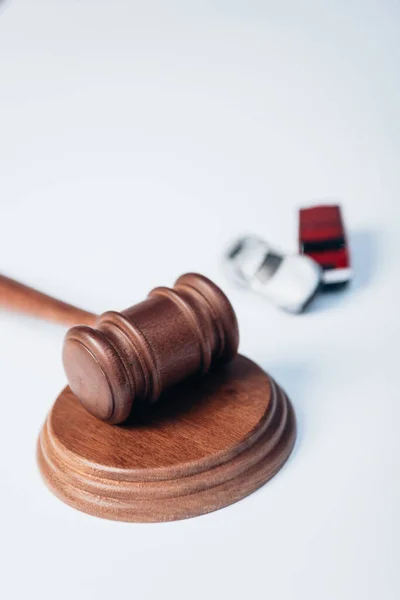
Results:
x,y
206,444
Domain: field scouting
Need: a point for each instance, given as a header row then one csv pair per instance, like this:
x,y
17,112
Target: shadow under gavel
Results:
x,y
117,358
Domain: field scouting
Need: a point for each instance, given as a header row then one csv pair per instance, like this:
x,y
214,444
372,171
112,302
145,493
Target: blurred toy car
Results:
x,y
290,282
323,238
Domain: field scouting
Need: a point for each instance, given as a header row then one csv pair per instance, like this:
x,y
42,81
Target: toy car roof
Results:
x,y
321,222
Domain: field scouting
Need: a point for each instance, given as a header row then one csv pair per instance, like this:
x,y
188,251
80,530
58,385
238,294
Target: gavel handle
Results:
x,y
18,297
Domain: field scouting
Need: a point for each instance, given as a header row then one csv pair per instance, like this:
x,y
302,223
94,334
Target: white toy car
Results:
x,y
290,282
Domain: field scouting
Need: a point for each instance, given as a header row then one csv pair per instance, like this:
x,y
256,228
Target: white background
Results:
x,y
136,139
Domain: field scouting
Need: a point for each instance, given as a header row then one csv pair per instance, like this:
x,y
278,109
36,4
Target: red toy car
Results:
x,y
323,238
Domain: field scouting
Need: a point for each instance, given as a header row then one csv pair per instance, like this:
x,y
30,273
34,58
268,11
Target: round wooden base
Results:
x,y
206,444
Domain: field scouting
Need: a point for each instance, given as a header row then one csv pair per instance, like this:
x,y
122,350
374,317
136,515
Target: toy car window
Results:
x,y
324,245
268,267
237,248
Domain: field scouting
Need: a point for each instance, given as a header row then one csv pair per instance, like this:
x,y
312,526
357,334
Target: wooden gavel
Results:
x,y
120,358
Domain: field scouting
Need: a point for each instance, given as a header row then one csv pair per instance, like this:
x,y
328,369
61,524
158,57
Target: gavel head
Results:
x,y
132,356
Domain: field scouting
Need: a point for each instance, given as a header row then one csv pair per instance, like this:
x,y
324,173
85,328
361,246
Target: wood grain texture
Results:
x,y
134,355
209,442
18,297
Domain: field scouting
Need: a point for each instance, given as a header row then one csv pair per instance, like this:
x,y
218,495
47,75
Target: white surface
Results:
x,y
137,138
